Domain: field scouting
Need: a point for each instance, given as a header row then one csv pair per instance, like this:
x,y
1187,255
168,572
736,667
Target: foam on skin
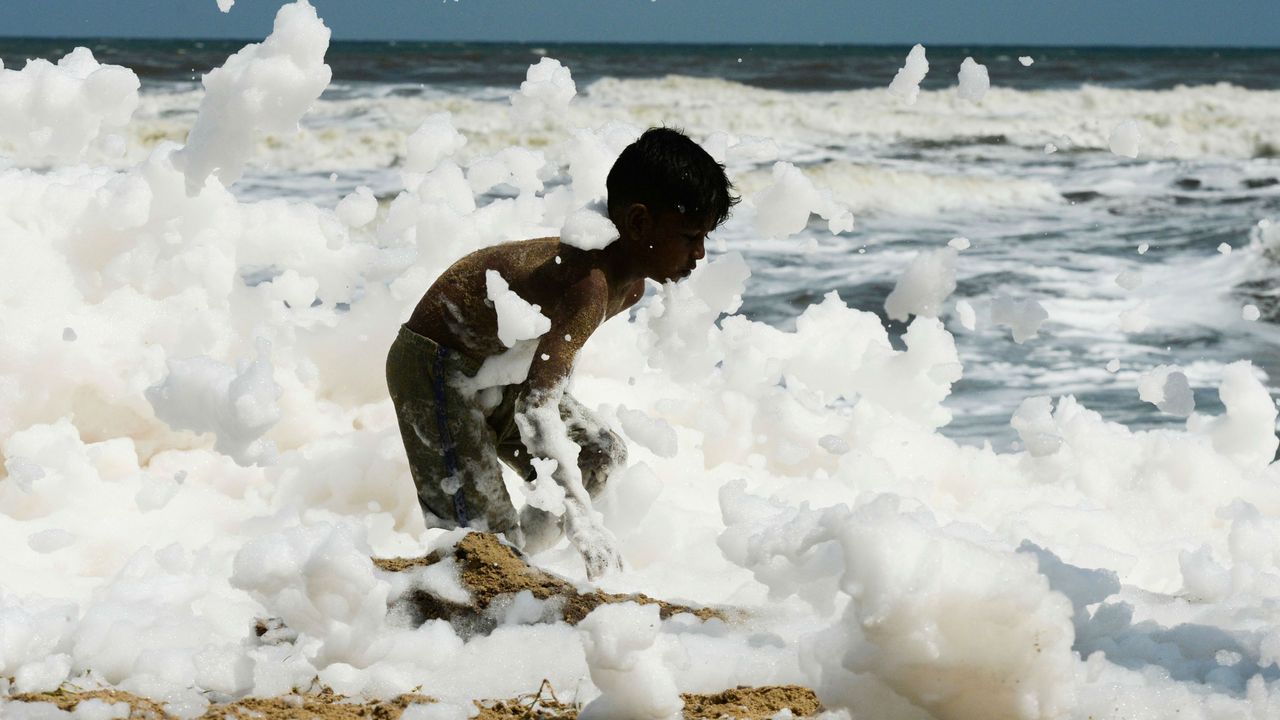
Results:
x,y
517,320
544,433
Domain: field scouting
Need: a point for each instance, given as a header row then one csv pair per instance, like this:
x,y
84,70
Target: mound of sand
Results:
x,y
493,573
740,703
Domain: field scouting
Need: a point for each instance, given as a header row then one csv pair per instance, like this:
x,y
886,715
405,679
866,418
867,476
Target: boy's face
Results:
x,y
671,244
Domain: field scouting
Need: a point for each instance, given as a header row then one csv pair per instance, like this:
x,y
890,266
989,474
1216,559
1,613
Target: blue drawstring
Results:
x,y
446,439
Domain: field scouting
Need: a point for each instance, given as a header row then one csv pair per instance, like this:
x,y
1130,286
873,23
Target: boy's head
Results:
x,y
667,172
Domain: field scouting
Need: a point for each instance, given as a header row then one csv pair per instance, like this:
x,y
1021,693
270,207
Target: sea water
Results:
x,y
1016,520
1058,226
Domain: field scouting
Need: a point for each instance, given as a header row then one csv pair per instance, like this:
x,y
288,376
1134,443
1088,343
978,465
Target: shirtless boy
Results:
x,y
665,194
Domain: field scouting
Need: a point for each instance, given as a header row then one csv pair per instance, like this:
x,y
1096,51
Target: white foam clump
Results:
x,y
1246,432
1129,279
44,675
548,87
906,83
937,617
1167,387
60,111
1026,60
225,5
626,667
263,89
836,352
515,166
357,209
1125,138
959,243
98,709
974,82
435,140
1022,316
1224,248
320,582
589,228
517,320
1034,424
589,155
925,286
968,317
1113,365
239,405
652,433
783,207
1250,312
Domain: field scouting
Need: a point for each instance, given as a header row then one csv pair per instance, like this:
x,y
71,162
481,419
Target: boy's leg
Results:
x,y
484,500
450,448
540,528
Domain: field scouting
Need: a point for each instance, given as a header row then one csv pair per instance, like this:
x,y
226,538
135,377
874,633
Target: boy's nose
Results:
x,y
699,251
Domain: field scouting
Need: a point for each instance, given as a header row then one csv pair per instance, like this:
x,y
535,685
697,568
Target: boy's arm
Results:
x,y
579,312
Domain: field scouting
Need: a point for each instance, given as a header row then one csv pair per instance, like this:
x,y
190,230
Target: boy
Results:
x,y
665,195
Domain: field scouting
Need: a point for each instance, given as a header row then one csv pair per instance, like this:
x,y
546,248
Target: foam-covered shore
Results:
x,y
196,435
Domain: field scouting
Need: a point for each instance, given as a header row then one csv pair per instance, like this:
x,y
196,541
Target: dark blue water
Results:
x,y
781,67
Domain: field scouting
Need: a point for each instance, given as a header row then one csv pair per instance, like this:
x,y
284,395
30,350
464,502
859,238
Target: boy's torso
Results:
x,y
456,311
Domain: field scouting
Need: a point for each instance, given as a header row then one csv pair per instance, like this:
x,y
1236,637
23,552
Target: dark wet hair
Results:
x,y
666,170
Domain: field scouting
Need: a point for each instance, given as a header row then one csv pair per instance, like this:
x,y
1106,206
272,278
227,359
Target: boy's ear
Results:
x,y
637,218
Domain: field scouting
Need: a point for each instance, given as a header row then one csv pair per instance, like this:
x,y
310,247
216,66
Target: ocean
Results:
x,y
1055,227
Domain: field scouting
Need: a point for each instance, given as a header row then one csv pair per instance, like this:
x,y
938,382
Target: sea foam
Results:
x,y
796,474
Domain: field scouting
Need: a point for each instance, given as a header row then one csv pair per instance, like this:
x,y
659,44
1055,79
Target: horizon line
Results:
x,y
651,43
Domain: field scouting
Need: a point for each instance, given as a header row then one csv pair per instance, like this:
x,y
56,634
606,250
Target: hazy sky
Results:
x,y
1030,22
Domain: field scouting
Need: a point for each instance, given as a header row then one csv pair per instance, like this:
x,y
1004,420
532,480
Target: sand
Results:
x,y
741,703
491,571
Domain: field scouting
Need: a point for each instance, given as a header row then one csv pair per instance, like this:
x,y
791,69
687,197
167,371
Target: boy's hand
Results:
x,y
601,559
593,541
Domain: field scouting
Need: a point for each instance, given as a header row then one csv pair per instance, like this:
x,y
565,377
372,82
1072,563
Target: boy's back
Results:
x,y
457,313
